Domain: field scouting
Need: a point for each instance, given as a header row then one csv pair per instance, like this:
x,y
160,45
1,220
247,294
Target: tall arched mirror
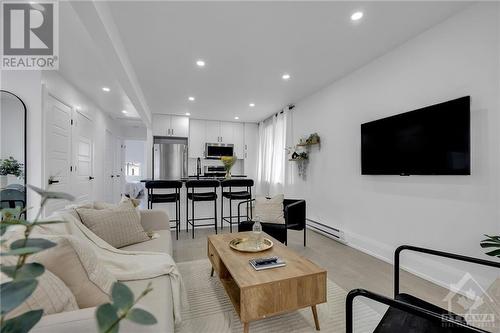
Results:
x,y
12,151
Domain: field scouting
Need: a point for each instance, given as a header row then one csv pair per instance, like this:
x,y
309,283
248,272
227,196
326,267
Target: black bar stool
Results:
x,y
176,185
200,196
232,196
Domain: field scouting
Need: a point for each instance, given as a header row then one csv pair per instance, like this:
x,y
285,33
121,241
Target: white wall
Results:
x,y
27,85
57,86
456,58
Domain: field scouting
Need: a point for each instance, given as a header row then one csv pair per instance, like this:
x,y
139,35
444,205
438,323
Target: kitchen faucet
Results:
x,y
198,168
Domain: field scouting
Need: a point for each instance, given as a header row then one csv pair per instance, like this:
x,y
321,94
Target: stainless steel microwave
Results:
x,y
217,150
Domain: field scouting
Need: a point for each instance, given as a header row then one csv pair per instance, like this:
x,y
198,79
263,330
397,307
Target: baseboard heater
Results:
x,y
330,232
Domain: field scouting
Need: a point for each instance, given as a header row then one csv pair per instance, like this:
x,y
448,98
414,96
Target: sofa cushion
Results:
x,y
79,268
51,294
270,210
119,226
162,243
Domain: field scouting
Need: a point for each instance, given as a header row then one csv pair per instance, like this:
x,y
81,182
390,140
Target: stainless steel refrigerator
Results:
x,y
170,158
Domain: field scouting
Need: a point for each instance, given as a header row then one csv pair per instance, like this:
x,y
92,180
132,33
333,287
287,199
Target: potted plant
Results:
x,y
9,166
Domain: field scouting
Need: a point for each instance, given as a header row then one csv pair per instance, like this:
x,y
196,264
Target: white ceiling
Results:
x,y
85,67
247,46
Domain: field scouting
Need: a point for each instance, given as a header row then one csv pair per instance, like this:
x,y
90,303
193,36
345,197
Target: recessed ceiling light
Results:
x,y
188,114
356,16
78,107
285,76
200,63
236,118
251,105
106,89
191,98
124,111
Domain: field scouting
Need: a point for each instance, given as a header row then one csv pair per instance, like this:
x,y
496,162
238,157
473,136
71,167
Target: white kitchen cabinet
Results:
x,y
161,125
179,126
226,132
238,139
197,138
212,131
168,125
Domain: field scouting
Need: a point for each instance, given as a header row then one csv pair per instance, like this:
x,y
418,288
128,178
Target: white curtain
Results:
x,y
272,154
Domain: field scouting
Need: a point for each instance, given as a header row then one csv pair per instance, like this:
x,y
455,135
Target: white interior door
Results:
x,y
109,160
58,152
83,146
117,179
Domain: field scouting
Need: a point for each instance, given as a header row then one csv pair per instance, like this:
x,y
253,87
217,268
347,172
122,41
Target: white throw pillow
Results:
x,y
51,294
270,210
118,226
77,265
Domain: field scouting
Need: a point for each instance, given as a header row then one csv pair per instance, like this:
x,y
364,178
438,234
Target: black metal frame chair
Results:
x,y
200,196
234,196
407,310
295,218
175,197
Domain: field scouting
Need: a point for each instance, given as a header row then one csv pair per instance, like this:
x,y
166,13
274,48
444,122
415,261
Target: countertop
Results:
x,y
184,179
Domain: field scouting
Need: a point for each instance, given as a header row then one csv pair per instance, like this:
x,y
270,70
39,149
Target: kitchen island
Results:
x,y
203,209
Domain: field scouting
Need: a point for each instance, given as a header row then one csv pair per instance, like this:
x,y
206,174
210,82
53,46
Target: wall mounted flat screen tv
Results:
x,y
434,140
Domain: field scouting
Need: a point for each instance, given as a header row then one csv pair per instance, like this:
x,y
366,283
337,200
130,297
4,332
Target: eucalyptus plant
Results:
x,y
492,242
23,277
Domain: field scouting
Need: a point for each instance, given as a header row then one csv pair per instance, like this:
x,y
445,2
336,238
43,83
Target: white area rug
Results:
x,y
211,311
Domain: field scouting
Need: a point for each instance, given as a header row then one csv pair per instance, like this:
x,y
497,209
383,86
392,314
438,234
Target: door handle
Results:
x,y
172,131
118,176
112,176
91,178
51,181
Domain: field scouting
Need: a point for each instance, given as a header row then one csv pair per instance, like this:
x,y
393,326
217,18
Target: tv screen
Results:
x,y
434,140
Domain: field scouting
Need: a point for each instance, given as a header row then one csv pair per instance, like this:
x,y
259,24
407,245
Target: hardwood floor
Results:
x,y
347,267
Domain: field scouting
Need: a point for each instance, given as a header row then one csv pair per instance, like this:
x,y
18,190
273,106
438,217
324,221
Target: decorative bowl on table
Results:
x,y
247,244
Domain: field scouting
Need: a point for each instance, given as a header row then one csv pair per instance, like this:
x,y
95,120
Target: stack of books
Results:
x,y
266,263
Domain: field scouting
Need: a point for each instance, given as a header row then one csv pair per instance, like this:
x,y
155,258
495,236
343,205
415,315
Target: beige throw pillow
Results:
x,y
77,265
51,295
270,210
119,226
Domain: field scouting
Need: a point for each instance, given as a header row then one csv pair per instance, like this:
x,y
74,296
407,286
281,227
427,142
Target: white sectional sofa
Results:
x,y
159,301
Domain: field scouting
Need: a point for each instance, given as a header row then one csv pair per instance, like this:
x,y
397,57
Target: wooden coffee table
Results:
x,y
260,294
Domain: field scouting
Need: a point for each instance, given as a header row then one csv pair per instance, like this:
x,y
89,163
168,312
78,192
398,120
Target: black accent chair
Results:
x,y
200,196
295,219
228,192
408,313
175,197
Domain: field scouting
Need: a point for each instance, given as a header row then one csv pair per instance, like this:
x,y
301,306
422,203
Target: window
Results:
x,y
133,169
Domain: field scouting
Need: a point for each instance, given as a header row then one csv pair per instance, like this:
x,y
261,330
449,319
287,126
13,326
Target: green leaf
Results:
x,y
122,296
21,251
22,323
141,316
106,315
52,195
15,292
27,271
483,245
40,243
495,253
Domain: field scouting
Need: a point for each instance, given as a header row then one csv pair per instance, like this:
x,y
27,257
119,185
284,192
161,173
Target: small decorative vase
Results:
x,y
3,181
228,174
